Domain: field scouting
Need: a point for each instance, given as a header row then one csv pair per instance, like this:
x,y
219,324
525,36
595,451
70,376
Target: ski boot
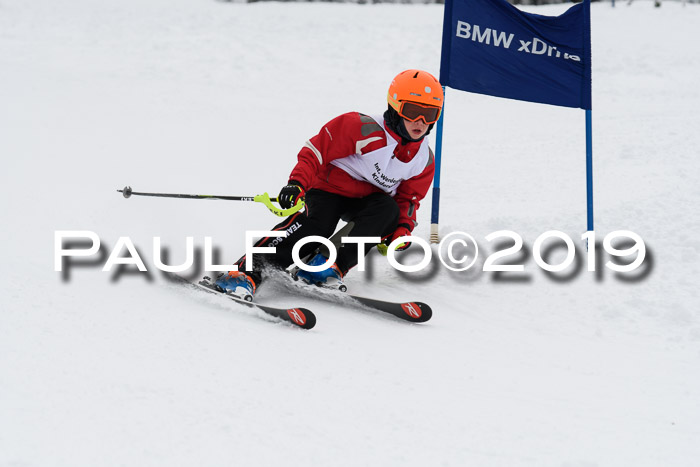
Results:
x,y
330,278
235,283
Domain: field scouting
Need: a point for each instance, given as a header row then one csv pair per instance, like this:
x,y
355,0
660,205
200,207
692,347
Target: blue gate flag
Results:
x,y
491,47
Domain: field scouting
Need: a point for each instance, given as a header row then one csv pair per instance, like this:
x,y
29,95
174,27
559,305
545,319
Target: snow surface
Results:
x,y
200,96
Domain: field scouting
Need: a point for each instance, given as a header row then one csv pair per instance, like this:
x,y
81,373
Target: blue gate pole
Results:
x,y
589,168
435,214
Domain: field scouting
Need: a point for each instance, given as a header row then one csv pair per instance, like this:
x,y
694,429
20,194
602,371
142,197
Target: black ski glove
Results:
x,y
291,194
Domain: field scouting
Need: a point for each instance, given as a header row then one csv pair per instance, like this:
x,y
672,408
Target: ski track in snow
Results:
x,y
200,96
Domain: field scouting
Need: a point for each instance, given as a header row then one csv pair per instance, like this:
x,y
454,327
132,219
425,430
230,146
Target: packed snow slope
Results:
x,y
199,96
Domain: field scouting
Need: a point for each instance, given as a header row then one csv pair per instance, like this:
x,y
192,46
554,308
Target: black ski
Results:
x,y
415,312
301,317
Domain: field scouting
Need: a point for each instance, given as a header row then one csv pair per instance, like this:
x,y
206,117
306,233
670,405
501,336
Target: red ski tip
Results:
x,y
297,316
301,317
412,310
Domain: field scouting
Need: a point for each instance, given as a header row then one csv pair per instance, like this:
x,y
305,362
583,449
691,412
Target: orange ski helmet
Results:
x,y
416,87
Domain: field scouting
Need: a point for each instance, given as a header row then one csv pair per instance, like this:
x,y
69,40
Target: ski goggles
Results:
x,y
412,112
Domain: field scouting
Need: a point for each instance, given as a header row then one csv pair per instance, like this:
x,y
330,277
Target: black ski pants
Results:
x,y
376,215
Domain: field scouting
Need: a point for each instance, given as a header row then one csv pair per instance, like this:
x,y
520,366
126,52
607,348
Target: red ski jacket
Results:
x,y
341,137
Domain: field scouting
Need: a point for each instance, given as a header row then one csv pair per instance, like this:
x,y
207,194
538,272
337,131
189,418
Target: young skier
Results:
x,y
372,171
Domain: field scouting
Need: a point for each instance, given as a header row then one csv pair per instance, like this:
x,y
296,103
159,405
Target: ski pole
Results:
x,y
264,199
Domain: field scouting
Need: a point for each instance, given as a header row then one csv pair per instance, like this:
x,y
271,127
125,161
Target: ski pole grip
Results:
x,y
265,199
